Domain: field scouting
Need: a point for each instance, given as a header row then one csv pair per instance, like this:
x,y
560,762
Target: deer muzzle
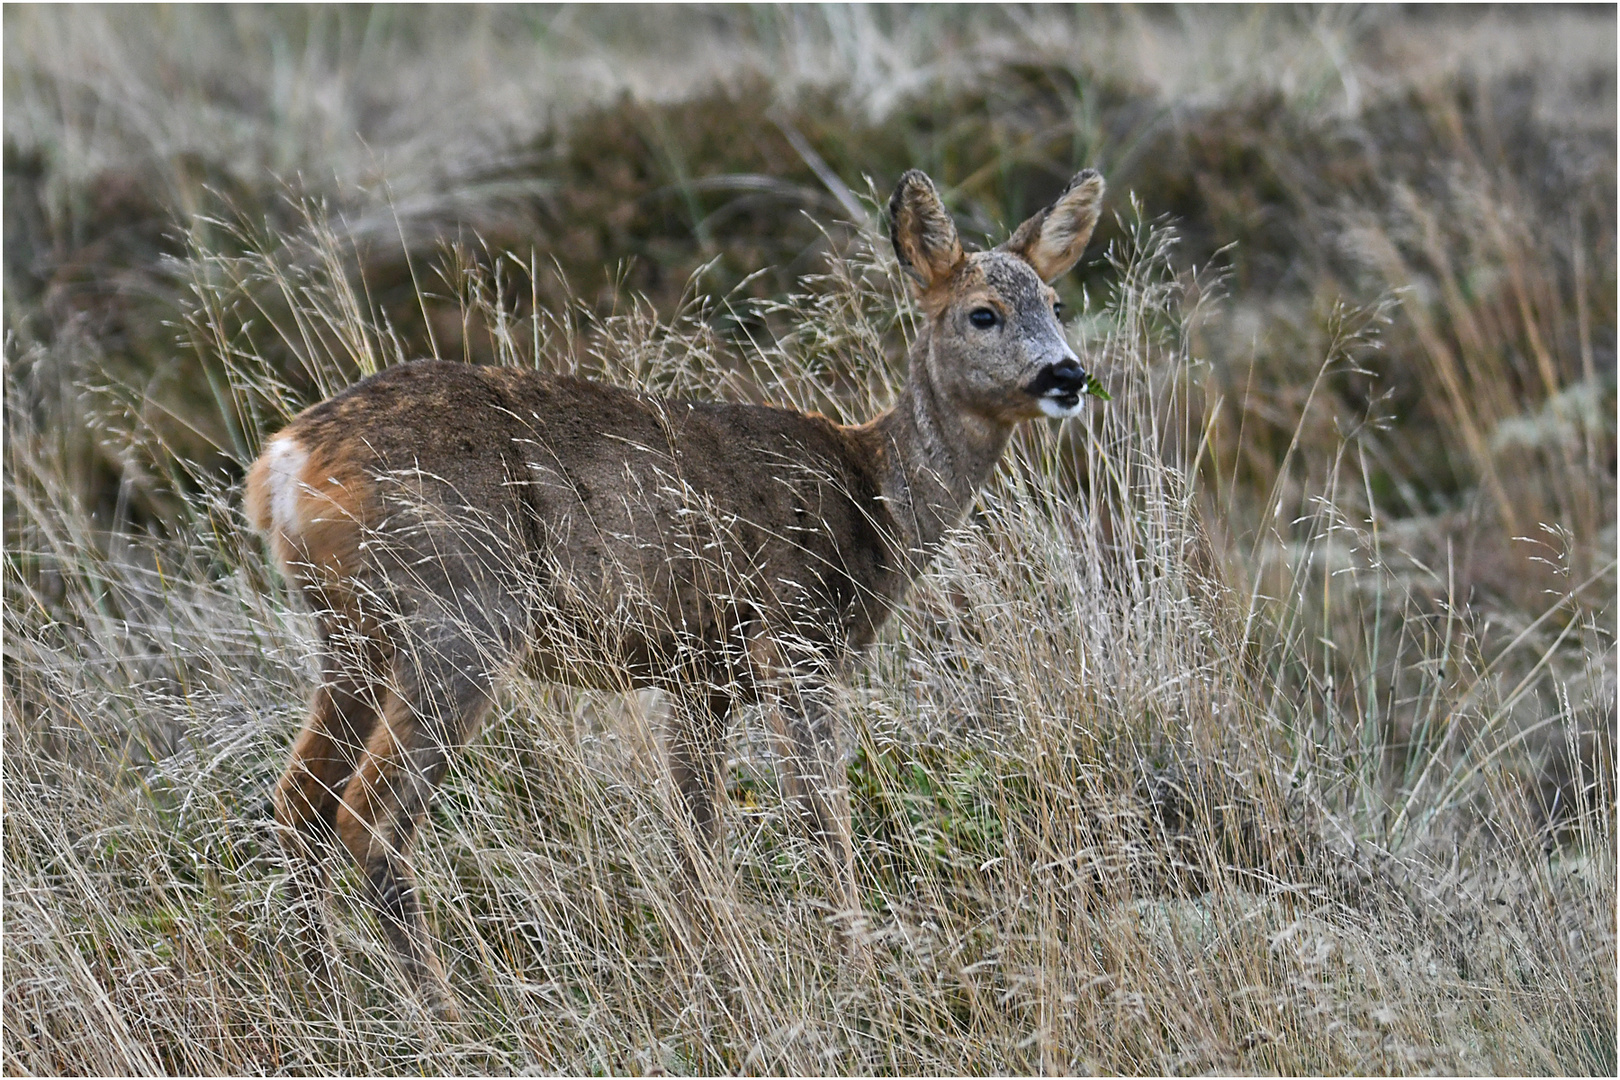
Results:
x,y
1058,387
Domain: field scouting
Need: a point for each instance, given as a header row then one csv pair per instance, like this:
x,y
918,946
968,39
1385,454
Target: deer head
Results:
x,y
994,343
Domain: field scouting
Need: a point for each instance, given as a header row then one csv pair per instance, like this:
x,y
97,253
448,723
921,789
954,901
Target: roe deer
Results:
x,y
446,521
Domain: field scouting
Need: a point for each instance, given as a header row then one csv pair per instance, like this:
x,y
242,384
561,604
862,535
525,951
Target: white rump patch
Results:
x,y
285,463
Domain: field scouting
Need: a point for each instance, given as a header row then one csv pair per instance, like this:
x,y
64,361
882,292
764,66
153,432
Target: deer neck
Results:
x,y
933,457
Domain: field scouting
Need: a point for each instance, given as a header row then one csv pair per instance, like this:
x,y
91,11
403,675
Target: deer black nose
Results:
x,y
1068,376
1064,379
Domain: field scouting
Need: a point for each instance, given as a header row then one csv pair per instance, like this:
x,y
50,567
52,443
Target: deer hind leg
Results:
x,y
443,690
343,711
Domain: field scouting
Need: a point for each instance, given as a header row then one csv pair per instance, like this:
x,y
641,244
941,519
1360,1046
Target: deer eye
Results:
x,y
983,318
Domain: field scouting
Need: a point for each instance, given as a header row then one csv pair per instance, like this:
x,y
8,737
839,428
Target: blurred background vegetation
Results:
x,y
1423,196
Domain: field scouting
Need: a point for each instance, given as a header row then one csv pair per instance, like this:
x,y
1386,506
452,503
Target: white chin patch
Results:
x,y
1060,409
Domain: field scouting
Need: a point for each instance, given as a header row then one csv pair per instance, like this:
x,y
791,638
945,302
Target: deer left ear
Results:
x,y
923,234
1053,240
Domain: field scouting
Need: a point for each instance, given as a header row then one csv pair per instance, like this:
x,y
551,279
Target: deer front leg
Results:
x,y
696,742
805,720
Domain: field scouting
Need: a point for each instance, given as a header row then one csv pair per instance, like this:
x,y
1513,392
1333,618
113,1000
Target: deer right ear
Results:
x,y
1053,240
923,234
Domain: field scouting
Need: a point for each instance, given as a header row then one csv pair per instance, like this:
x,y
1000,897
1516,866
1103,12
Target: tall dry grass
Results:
x,y
1262,720
1102,819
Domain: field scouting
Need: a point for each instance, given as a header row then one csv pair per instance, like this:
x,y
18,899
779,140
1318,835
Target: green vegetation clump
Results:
x,y
1262,719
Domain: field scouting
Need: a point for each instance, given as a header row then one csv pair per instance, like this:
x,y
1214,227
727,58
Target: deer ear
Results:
x,y
923,234
1053,240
